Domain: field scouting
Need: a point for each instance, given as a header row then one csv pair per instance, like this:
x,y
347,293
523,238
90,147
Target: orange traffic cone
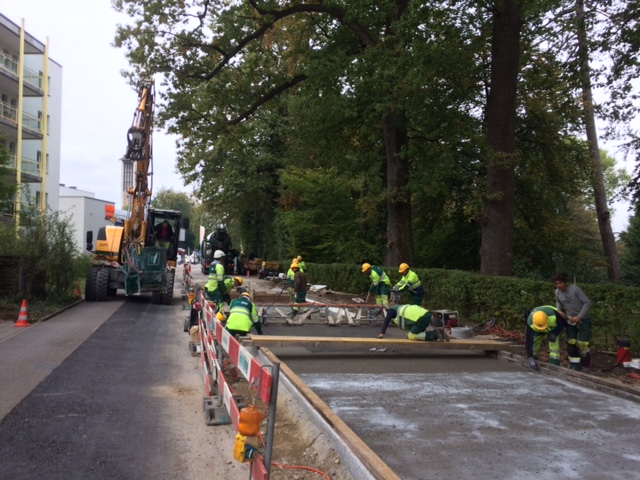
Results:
x,y
22,318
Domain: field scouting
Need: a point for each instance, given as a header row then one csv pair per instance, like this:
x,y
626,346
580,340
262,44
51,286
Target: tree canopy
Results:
x,y
366,131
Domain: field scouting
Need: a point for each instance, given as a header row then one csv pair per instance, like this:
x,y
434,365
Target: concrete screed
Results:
x,y
488,419
465,415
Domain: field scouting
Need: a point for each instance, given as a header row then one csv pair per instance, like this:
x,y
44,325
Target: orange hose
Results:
x,y
314,470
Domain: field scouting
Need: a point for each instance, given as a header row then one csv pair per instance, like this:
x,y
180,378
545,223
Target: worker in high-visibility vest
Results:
x,y
417,320
299,287
543,322
410,282
291,281
214,289
242,316
229,284
380,284
301,264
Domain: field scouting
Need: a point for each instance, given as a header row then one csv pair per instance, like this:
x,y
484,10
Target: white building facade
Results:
x,y
86,213
30,116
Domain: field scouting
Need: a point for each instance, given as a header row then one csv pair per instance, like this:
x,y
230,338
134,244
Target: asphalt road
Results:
x,y
108,391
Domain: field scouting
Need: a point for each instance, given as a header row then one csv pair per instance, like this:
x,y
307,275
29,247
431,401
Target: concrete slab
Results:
x,y
486,425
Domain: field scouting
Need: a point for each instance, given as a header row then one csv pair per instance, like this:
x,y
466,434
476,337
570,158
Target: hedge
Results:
x,y
479,298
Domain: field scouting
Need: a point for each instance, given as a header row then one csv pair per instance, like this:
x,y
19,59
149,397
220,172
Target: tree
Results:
x,y
602,210
496,252
630,259
7,185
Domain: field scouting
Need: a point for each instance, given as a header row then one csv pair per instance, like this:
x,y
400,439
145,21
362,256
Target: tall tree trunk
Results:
x,y
496,251
602,209
399,223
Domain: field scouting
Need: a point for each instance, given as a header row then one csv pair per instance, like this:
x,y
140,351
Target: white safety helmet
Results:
x,y
218,254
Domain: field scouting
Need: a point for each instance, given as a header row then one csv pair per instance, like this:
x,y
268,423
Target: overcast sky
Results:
x,y
98,105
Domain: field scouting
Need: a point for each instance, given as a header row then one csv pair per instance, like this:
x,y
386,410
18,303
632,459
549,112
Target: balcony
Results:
x,y
30,169
32,126
33,81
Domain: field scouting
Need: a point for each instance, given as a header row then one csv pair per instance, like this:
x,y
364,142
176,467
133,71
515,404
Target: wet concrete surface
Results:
x,y
466,415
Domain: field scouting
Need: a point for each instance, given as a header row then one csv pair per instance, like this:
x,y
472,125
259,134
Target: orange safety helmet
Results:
x,y
403,268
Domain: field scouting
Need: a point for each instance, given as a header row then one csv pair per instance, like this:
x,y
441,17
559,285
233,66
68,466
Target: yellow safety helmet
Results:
x,y
294,265
246,294
403,268
221,316
540,320
239,280
299,258
366,267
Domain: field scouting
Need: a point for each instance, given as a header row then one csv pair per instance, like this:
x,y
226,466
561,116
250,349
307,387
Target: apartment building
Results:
x,y
30,116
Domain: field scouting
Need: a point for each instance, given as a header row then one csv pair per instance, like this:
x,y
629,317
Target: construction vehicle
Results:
x,y
138,255
219,239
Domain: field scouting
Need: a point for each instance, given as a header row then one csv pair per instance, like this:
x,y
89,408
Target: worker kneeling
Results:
x,y
545,321
242,316
420,323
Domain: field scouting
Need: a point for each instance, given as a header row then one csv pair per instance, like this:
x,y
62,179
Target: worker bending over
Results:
x,y
215,288
543,322
242,316
380,284
410,282
417,320
229,284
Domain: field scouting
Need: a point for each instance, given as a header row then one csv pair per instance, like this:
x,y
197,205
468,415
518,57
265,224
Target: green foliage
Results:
x,y
48,262
256,97
630,259
7,186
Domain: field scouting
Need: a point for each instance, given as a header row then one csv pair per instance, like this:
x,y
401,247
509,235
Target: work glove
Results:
x,y
533,364
552,337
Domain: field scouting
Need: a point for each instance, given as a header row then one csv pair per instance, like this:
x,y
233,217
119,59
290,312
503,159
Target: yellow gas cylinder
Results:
x,y
249,424
239,450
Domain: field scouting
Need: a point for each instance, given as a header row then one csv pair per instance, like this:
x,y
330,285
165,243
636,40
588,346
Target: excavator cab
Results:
x,y
166,230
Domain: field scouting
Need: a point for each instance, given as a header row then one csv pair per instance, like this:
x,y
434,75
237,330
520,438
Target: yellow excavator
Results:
x,y
138,255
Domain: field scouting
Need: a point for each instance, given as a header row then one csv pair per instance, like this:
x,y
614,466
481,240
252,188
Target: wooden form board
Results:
x,y
345,342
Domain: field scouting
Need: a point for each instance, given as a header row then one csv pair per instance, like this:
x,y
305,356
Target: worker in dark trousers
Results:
x,y
571,300
417,320
543,322
410,282
242,316
299,287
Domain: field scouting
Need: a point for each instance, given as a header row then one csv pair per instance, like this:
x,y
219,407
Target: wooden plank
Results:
x,y
341,342
368,457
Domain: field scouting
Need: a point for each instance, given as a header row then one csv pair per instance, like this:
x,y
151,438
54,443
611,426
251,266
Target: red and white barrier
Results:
x,y
212,337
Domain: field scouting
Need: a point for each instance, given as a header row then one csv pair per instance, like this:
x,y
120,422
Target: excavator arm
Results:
x,y
140,151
